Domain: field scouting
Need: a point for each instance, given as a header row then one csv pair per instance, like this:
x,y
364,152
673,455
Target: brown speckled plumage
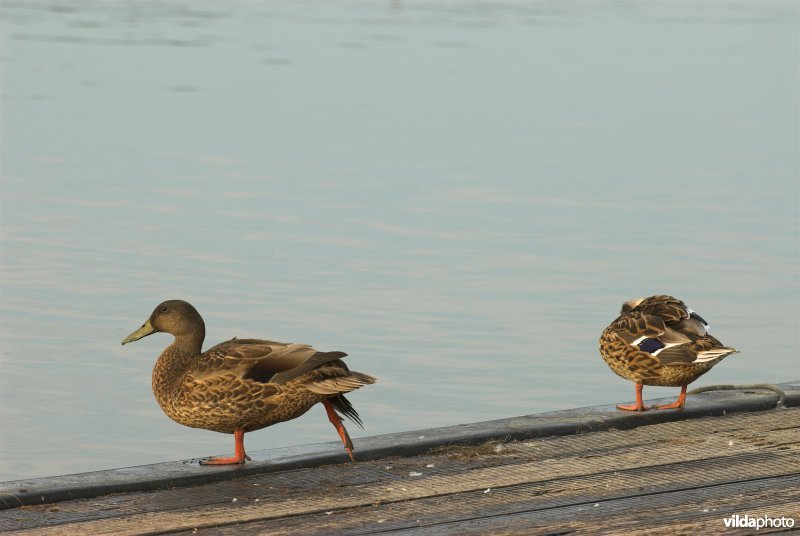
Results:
x,y
660,341
242,384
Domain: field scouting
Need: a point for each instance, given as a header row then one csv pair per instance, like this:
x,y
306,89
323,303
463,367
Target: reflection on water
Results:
x,y
459,195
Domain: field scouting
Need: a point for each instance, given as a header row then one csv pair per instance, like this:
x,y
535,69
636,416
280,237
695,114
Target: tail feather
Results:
x,y
344,407
340,384
713,354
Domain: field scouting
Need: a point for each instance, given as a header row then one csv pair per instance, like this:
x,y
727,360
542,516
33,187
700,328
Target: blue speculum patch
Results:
x,y
650,345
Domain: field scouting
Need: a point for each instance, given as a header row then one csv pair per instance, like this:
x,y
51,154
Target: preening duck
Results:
x,y
660,341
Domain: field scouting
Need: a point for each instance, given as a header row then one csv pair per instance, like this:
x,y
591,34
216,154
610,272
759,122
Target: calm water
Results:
x,y
458,194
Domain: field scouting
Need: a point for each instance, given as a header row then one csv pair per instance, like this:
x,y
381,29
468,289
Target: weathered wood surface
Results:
x,y
676,477
167,475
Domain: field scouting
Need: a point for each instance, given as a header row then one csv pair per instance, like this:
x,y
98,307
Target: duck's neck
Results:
x,y
170,369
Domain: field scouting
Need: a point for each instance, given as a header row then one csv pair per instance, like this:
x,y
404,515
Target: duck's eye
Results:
x,y
162,309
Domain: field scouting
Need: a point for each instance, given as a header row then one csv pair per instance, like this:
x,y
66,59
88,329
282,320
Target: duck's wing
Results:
x,y
661,329
675,314
261,361
648,332
703,350
669,332
636,341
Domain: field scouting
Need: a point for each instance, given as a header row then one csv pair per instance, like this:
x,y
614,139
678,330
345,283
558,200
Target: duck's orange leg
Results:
x,y
238,457
639,406
678,404
337,423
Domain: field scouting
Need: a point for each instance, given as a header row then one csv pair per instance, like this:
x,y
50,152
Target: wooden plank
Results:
x,y
688,434
185,473
297,479
707,507
314,492
583,491
713,524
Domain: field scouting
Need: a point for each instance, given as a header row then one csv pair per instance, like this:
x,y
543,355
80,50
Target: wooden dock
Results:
x,y
673,476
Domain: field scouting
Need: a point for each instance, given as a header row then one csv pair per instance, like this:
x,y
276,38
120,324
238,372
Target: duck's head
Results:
x,y
630,305
175,317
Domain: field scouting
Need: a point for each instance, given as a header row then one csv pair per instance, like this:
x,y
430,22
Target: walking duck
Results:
x,y
660,341
243,385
